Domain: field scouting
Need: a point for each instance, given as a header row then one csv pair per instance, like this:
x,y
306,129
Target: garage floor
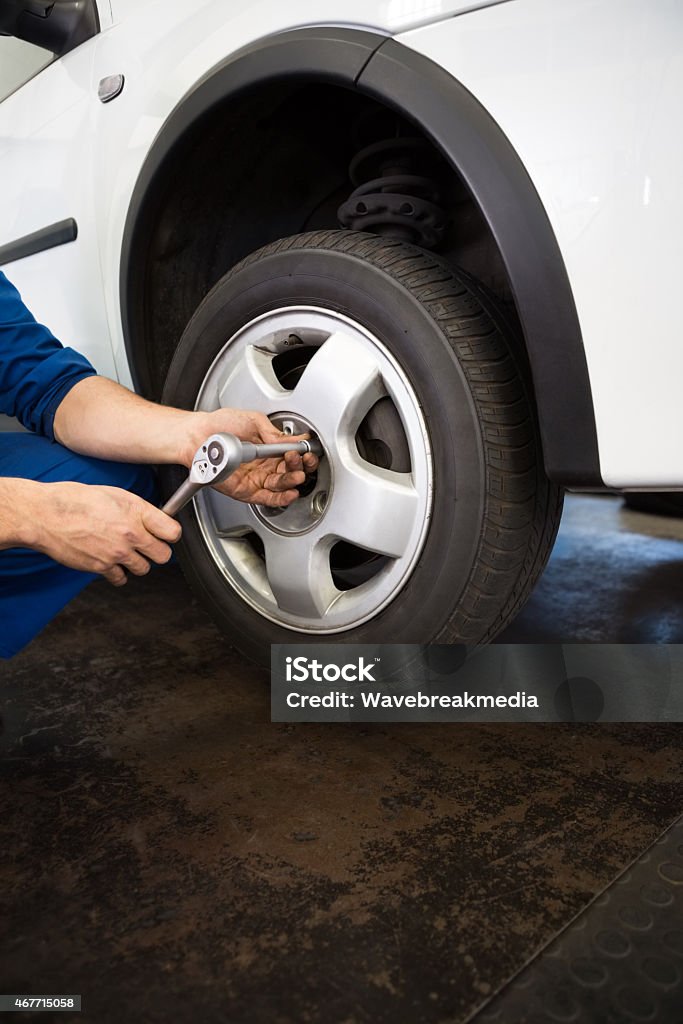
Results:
x,y
173,856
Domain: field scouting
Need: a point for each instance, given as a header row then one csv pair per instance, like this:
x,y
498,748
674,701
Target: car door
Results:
x,y
48,241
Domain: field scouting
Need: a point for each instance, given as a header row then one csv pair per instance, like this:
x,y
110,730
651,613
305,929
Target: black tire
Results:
x,y
495,513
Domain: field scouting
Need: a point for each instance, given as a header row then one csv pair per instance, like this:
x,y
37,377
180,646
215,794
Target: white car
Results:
x,y
442,235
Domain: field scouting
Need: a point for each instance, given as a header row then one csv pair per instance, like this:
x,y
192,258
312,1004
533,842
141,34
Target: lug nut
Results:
x,y
319,503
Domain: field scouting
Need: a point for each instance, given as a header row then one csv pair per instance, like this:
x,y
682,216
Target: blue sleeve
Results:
x,y
36,371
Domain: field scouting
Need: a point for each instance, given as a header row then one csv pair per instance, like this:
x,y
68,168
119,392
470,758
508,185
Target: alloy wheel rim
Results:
x,y
340,554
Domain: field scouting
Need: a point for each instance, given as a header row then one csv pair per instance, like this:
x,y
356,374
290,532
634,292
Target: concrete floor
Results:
x,y
173,856
615,576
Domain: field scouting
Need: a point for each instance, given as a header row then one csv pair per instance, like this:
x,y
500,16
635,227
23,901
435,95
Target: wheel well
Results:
x,y
260,149
269,164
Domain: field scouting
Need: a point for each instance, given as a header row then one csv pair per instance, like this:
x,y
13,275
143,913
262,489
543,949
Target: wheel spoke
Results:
x,y
253,383
338,387
373,508
298,570
230,518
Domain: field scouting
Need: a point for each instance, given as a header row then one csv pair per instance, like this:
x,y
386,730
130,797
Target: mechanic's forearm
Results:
x,y
17,500
101,418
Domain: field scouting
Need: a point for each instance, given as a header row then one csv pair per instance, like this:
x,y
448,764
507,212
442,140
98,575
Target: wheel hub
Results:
x,y
306,512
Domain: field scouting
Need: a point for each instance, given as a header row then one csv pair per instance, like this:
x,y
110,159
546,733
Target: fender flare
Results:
x,y
480,153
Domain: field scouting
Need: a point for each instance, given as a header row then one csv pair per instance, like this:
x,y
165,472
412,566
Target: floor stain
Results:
x,y
173,856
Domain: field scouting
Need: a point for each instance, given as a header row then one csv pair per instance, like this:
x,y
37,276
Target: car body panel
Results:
x,y
586,92
105,14
49,175
389,16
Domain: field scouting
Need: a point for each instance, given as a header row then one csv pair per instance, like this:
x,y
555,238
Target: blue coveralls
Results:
x,y
36,372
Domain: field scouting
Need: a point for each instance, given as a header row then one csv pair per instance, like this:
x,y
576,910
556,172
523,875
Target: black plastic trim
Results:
x,y
61,233
480,153
334,55
627,944
55,25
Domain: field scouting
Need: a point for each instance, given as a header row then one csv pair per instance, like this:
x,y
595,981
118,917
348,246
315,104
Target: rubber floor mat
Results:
x,y
620,962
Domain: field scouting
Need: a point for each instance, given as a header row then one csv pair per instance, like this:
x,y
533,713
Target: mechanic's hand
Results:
x,y
101,529
271,482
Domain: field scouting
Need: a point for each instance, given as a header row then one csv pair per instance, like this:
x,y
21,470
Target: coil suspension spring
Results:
x,y
395,196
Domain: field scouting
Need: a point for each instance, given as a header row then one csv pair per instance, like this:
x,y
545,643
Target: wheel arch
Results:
x,y
480,153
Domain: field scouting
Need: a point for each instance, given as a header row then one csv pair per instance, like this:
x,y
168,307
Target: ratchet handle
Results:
x,y
220,456
266,451
180,498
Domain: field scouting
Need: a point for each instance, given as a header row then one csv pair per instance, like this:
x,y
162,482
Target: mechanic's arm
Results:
x,y
87,527
54,391
99,417
15,531
95,529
